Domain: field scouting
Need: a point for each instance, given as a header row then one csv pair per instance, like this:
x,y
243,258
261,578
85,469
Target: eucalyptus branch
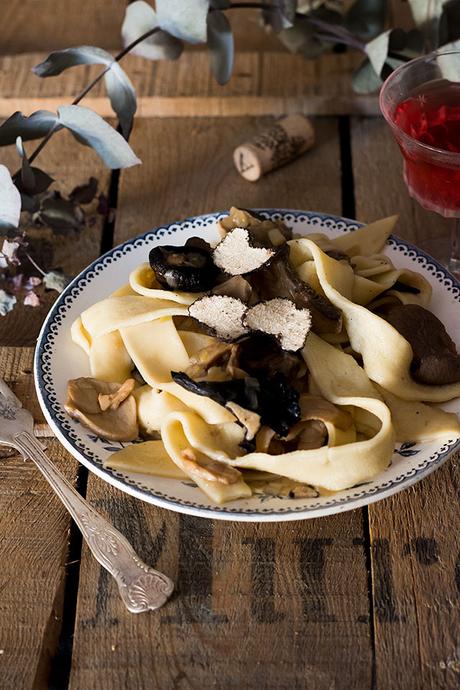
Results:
x,y
93,83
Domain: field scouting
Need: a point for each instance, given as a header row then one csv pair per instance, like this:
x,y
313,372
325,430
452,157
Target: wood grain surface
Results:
x,y
256,606
176,181
268,83
34,528
414,535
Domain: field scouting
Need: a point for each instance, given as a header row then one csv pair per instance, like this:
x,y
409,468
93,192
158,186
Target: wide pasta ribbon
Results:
x,y
387,356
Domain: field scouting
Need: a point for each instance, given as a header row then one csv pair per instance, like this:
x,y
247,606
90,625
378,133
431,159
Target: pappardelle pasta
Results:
x,y
266,362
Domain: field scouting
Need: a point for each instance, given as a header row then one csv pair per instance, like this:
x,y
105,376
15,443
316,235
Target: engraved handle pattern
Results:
x,y
141,587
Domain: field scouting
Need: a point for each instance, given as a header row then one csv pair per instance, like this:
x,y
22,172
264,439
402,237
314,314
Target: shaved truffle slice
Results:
x,y
238,253
281,318
220,313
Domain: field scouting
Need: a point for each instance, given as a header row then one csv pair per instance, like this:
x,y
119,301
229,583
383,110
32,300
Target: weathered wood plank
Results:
x,y
268,83
188,169
16,367
69,164
415,542
256,605
28,26
33,547
416,565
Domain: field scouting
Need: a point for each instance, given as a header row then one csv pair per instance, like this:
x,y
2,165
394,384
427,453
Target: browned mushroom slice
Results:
x,y
273,232
435,361
310,434
221,314
208,357
315,407
278,279
119,424
250,420
239,253
197,464
281,318
236,287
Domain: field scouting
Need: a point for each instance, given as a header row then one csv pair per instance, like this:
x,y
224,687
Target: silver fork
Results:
x,y
141,587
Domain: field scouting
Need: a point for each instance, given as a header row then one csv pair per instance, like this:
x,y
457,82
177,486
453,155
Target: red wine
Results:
x,y
431,115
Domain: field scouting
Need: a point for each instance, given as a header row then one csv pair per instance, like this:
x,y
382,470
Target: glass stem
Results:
x,y
454,262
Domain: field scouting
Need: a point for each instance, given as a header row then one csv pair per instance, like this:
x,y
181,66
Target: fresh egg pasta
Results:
x,y
253,363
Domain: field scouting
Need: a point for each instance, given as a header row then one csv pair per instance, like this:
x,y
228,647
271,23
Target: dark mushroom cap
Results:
x,y
435,361
189,268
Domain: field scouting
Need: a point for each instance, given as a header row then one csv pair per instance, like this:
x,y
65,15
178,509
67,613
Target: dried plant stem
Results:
x,y
88,88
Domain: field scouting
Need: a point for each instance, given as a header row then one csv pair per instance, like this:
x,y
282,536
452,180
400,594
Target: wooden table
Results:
x,y
365,599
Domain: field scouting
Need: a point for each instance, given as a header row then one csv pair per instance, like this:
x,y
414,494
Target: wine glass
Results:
x,y
421,102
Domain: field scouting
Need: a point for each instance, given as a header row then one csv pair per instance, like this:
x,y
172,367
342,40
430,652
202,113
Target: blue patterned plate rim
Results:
x,y
57,418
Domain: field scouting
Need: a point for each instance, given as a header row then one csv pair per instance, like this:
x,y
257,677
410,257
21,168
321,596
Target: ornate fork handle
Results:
x,y
141,587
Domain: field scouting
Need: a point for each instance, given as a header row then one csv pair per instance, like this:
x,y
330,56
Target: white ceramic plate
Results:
x,y
57,359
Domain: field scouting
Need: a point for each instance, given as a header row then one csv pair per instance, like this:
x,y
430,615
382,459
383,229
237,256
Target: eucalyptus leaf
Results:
x,y
60,60
119,87
91,129
221,46
35,126
449,24
40,184
184,20
27,176
302,38
7,302
365,80
60,214
10,202
85,193
275,17
55,280
366,18
377,50
122,97
140,17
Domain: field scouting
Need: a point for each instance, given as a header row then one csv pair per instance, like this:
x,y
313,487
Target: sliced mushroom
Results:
x,y
278,279
208,357
197,464
82,404
260,354
435,360
250,420
310,434
236,287
260,227
315,407
114,400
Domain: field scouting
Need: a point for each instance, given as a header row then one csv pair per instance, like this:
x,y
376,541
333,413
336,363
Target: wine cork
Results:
x,y
288,138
